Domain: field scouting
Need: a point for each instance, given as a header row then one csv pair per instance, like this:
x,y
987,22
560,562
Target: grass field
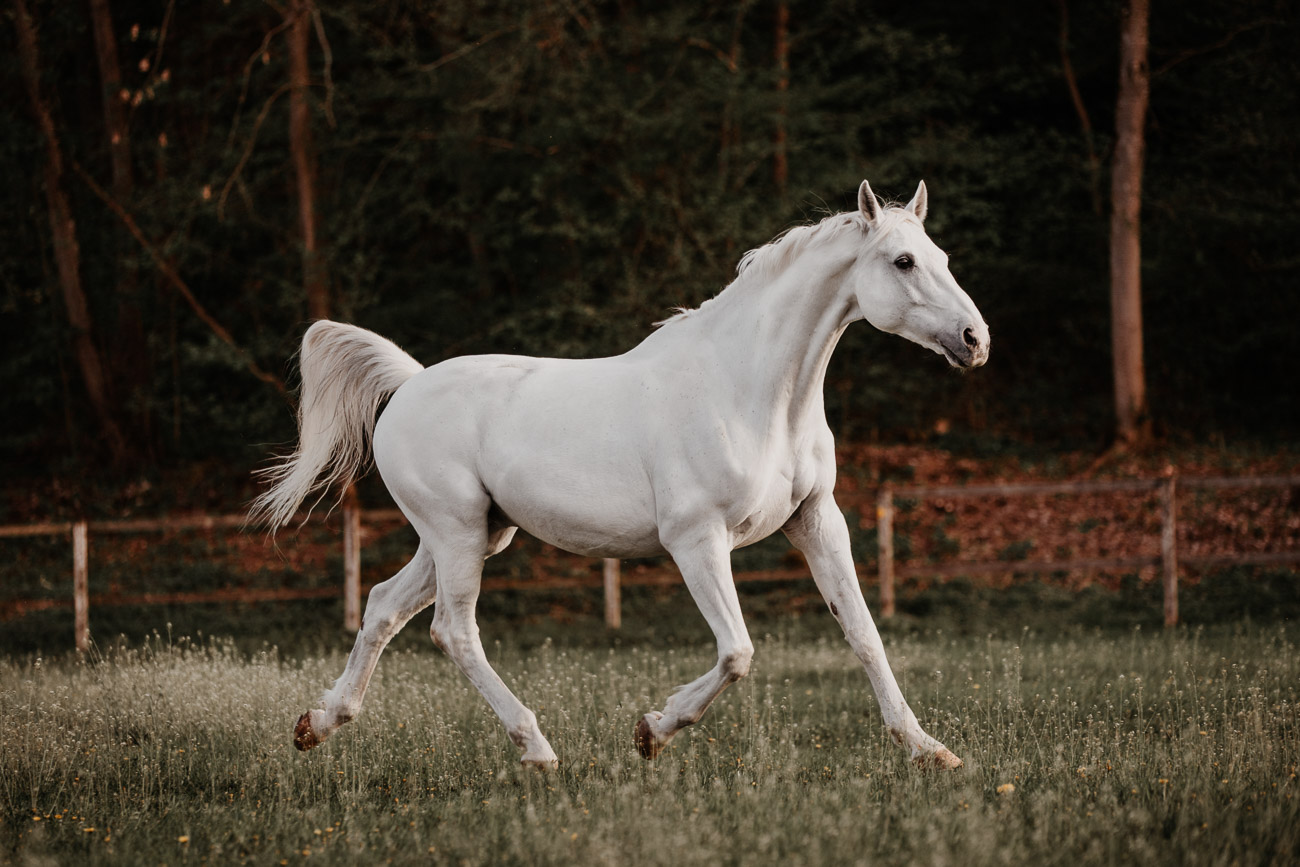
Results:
x,y
1082,746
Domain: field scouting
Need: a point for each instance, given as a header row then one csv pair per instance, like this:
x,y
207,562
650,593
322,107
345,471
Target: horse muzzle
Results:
x,y
968,348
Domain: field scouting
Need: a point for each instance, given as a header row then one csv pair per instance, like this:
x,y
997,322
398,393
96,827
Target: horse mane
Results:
x,y
762,264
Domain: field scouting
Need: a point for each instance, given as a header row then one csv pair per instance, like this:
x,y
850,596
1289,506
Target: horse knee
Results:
x,y
379,627
735,663
382,617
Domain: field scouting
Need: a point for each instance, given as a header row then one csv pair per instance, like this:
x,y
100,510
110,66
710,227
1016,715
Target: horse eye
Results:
x,y
904,263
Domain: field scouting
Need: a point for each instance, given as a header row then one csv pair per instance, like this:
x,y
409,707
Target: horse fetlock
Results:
x,y
735,664
338,706
537,752
525,731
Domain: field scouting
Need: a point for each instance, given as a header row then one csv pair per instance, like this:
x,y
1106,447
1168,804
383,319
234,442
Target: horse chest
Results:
x,y
772,497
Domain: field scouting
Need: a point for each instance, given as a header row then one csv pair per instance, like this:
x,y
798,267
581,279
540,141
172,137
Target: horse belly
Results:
x,y
570,472
578,516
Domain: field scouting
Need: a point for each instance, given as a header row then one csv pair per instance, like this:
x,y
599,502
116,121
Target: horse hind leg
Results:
x,y
389,607
455,631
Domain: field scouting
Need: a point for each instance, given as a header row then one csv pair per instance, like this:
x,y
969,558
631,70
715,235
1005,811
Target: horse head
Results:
x,y
903,286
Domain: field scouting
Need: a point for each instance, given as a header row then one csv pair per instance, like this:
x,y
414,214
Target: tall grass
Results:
x,y
1080,748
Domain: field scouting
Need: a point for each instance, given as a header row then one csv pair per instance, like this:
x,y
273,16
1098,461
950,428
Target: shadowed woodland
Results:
x,y
190,184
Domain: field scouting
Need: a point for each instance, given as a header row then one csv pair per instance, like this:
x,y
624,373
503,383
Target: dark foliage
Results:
x,y
551,178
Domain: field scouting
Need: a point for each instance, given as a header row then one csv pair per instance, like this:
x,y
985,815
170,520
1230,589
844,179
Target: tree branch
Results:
x,y
1076,98
248,76
328,106
1189,53
458,53
248,148
178,283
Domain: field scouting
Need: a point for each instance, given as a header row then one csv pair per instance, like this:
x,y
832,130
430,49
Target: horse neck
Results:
x,y
773,342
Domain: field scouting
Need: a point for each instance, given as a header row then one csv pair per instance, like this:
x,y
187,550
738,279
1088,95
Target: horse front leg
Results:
x,y
389,607
705,565
819,530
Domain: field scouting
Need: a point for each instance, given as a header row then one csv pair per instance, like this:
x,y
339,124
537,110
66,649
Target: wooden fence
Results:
x,y
1168,559
886,507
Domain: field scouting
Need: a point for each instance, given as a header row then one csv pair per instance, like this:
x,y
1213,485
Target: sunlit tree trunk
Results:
x,y
1133,421
63,233
314,277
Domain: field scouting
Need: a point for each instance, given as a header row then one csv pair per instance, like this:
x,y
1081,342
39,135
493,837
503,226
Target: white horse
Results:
x,y
708,436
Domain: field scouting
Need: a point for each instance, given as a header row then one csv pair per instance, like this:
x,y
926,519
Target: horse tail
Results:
x,y
346,373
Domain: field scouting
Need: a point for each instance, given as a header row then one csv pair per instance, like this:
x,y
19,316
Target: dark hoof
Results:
x,y
646,743
303,737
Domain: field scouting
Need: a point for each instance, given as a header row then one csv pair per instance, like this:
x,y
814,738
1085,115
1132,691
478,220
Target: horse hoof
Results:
x,y
551,764
646,743
303,737
941,759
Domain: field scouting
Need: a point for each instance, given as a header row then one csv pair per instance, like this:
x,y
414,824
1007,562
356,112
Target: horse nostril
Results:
x,y
969,336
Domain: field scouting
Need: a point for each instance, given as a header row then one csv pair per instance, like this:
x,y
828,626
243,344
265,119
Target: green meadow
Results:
x,y
1083,745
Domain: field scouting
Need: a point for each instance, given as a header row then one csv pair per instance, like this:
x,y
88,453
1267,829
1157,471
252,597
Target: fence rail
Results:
x,y
1168,559
612,580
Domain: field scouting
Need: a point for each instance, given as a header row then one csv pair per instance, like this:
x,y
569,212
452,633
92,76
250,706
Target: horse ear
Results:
x,y
920,204
867,204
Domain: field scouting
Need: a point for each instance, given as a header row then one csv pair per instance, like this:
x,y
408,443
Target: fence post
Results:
x,y
351,567
885,541
1169,547
613,593
80,586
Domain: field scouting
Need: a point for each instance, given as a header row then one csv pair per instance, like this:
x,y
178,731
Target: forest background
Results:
x,y
550,178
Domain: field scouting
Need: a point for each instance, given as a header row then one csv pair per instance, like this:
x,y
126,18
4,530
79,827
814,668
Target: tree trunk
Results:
x,y
1133,421
130,355
63,230
115,122
780,165
1080,109
314,279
